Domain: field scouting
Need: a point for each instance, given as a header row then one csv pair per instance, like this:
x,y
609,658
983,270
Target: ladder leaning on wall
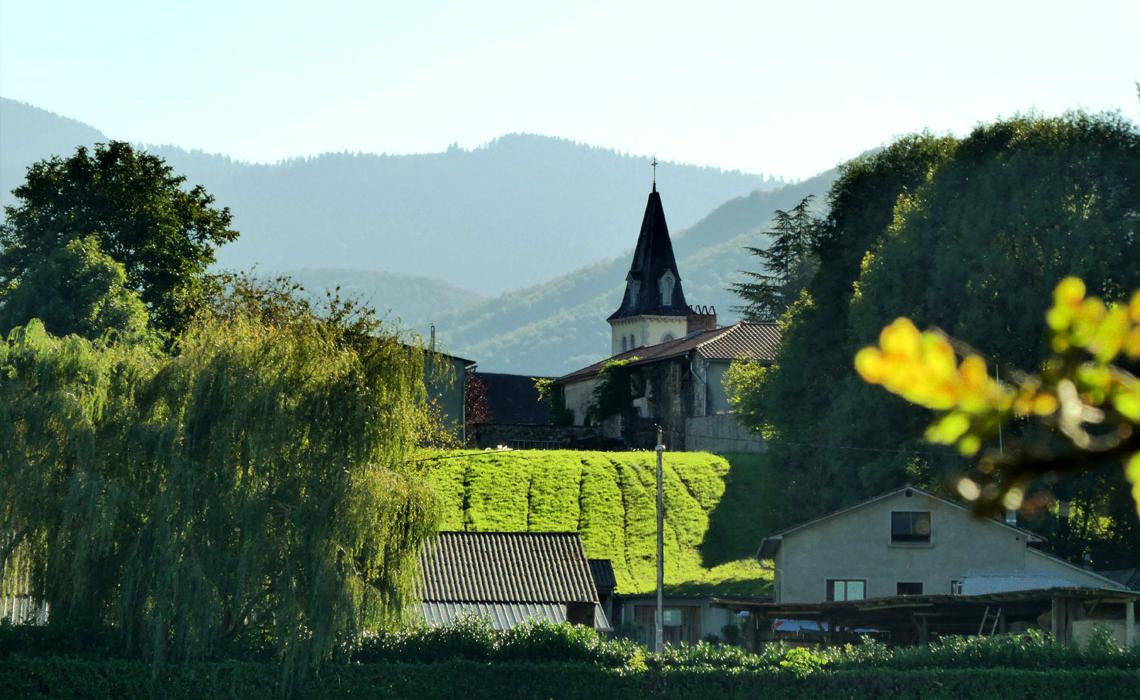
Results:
x,y
986,618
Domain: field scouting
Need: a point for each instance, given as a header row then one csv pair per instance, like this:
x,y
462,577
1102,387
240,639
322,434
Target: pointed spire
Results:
x,y
653,285
654,164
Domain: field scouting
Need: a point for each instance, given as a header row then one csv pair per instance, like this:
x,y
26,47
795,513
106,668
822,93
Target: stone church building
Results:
x,y
669,356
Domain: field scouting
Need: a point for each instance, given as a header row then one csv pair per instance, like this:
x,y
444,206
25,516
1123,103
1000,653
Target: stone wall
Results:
x,y
720,433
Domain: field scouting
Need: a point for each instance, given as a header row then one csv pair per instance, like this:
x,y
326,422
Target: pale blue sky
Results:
x,y
788,88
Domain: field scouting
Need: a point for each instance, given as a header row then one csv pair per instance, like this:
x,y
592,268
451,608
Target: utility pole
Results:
x,y
659,627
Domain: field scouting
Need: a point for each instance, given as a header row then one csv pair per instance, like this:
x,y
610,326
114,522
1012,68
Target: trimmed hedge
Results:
x,y
712,514
58,677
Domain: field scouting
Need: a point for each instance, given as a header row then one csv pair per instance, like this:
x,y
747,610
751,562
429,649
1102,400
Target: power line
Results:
x,y
858,448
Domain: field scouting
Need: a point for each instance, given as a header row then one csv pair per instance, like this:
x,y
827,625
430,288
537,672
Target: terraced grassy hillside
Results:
x,y
715,510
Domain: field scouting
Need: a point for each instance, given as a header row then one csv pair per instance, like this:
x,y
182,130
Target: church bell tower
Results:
x,y
653,309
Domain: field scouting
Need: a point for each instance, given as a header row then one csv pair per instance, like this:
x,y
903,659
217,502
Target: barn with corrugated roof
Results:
x,y
509,577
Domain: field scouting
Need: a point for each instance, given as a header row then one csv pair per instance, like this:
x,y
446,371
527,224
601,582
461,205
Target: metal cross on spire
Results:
x,y
654,164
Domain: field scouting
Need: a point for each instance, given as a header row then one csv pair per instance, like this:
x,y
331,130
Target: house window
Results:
x,y
908,588
846,589
956,586
910,527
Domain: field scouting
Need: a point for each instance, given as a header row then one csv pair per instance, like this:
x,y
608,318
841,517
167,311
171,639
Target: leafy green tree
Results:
x,y
143,217
75,289
254,488
790,403
787,264
969,237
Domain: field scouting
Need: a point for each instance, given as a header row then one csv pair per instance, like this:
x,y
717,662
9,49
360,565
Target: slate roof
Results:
x,y
513,400
506,567
759,341
652,257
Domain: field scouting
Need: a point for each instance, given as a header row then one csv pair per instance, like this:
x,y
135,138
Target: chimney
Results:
x,y
700,318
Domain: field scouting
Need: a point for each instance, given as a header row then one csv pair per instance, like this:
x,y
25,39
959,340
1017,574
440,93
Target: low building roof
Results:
x,y
603,572
756,341
512,399
771,544
506,567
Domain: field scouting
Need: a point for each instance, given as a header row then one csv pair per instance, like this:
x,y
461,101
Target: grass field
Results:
x,y
716,510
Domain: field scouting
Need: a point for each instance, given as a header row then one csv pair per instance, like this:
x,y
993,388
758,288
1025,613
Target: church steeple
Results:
x,y
653,308
653,285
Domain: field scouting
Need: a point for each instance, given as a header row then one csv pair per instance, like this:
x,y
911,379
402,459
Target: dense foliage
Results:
x,y
968,236
253,488
560,661
163,234
473,638
1090,404
75,289
715,510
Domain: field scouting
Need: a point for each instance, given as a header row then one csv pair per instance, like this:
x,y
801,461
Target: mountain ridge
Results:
x,y
549,321
514,212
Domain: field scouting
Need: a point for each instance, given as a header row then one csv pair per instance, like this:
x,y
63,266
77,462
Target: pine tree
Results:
x,y
787,264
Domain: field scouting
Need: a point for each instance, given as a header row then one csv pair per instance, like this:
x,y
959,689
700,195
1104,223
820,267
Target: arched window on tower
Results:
x,y
665,285
624,343
632,342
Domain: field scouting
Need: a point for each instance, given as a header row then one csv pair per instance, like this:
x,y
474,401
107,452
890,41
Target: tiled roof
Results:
x,y
506,567
512,399
757,340
603,571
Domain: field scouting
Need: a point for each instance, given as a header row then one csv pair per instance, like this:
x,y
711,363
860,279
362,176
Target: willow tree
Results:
x,y
256,486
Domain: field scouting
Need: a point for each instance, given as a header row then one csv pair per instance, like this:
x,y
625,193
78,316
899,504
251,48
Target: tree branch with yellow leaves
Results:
x,y
1081,394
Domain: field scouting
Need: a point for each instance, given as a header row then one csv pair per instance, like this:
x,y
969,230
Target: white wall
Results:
x,y
579,395
646,330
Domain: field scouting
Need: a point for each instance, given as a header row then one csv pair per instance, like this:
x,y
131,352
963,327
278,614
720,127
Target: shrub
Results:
x,y
472,637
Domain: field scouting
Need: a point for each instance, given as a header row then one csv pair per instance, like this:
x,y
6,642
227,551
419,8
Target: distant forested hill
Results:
x,y
515,212
28,134
412,302
556,327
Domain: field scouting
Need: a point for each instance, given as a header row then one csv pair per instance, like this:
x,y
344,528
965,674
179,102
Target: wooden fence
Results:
x,y
17,603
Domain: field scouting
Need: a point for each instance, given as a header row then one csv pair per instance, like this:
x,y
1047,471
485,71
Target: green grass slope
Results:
x,y
716,510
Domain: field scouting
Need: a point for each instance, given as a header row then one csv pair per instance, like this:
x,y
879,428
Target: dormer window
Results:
x,y
910,527
668,281
634,288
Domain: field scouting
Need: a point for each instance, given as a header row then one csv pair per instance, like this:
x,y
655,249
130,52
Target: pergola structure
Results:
x,y
914,619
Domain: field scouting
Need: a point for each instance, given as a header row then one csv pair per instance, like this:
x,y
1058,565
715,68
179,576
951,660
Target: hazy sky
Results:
x,y
785,87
